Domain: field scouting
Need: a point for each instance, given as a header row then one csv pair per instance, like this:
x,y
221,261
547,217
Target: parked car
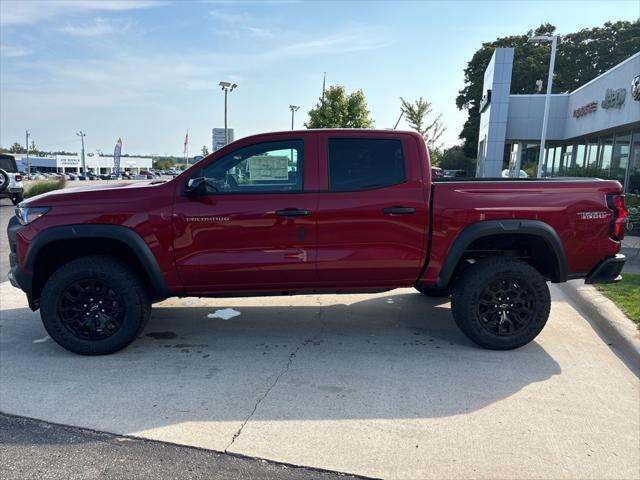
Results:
x,y
523,174
10,180
454,173
270,215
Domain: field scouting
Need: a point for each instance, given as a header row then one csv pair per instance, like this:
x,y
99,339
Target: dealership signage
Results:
x,y
485,100
635,88
69,162
614,98
585,109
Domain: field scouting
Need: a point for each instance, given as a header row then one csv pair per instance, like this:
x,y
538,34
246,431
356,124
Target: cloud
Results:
x,y
238,24
21,12
8,51
98,27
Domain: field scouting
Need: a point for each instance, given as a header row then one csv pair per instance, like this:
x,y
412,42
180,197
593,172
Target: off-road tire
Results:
x,y
434,291
121,281
4,180
473,289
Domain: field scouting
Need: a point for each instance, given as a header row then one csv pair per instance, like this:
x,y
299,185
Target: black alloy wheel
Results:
x,y
91,309
501,303
95,305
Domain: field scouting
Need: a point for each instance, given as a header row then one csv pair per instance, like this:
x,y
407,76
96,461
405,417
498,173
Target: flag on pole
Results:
x,y
116,157
186,141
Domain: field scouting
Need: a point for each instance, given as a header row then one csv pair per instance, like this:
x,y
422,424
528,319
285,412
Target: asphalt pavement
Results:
x,y
378,385
34,449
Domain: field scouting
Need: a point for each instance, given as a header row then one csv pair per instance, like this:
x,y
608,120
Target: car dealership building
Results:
x,y
593,130
98,164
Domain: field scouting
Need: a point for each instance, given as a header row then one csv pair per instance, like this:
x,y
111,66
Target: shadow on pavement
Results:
x,y
388,357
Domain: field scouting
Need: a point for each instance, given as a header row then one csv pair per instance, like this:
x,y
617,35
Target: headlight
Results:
x,y
29,214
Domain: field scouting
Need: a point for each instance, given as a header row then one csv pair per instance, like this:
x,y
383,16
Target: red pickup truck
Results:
x,y
314,211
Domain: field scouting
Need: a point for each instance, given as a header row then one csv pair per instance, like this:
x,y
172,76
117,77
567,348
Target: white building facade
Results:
x,y
100,165
594,129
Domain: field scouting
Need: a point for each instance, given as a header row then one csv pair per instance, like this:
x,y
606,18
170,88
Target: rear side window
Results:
x,y
364,164
8,164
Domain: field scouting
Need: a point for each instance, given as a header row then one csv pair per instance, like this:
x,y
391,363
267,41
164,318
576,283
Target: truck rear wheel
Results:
x,y
501,304
94,306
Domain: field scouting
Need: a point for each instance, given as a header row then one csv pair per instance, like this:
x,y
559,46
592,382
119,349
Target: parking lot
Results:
x,y
377,385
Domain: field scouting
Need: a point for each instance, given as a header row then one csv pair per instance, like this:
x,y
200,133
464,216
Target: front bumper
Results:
x,y
607,271
18,276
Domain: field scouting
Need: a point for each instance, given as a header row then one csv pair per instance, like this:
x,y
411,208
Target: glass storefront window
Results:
x,y
591,157
633,184
567,158
579,158
606,150
620,156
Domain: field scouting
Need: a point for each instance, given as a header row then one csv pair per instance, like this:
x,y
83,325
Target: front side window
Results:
x,y
364,164
263,167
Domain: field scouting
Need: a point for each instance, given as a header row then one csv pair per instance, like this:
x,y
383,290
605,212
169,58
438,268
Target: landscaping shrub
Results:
x,y
44,186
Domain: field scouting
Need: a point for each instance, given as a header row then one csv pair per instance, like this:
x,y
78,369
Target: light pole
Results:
x,y
226,87
81,134
294,109
553,39
28,163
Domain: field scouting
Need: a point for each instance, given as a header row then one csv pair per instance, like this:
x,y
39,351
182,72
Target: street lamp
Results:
x,y
294,109
81,134
553,39
226,87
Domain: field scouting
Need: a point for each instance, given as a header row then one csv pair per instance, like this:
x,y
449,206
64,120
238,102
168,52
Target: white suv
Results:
x,y
10,180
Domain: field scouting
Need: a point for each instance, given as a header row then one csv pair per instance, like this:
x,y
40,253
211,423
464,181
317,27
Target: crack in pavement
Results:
x,y
275,382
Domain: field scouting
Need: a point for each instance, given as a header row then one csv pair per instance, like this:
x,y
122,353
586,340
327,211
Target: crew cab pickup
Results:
x,y
314,211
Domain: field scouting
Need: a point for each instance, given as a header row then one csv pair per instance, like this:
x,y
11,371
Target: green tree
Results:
x,y
16,148
416,114
454,158
340,110
33,148
205,151
581,56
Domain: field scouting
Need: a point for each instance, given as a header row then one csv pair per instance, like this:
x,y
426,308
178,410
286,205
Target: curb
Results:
x,y
607,317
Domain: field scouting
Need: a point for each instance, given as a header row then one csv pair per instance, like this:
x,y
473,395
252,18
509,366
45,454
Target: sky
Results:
x,y
147,71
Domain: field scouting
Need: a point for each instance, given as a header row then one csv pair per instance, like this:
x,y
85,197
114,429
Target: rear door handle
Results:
x,y
398,210
293,212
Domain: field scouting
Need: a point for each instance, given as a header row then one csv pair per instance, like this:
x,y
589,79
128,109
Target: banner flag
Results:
x,y
116,157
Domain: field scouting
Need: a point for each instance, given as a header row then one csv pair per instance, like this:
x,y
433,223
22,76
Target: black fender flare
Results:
x,y
94,231
496,227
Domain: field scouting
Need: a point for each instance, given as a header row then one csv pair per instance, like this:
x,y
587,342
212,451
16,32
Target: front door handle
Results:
x,y
293,212
398,210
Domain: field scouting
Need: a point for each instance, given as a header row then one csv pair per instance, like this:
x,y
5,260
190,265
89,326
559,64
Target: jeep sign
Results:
x,y
614,98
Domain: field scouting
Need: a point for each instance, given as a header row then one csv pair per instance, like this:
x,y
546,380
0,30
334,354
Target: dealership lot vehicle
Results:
x,y
310,212
10,179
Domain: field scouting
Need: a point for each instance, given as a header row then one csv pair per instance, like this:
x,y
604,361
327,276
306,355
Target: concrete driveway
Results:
x,y
378,385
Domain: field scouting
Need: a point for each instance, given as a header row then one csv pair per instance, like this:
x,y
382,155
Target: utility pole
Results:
x,y
553,40
28,162
81,134
226,88
294,109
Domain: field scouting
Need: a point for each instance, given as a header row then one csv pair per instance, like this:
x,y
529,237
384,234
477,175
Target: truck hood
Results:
x,y
121,191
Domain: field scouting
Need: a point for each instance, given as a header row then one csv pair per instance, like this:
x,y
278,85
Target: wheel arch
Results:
x,y
69,242
518,232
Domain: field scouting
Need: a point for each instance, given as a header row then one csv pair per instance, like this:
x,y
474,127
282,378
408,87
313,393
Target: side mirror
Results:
x,y
196,187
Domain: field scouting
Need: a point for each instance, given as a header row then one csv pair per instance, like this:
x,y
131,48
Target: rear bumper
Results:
x,y
607,271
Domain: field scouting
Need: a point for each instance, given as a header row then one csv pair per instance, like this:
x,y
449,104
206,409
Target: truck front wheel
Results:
x,y
501,303
94,306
